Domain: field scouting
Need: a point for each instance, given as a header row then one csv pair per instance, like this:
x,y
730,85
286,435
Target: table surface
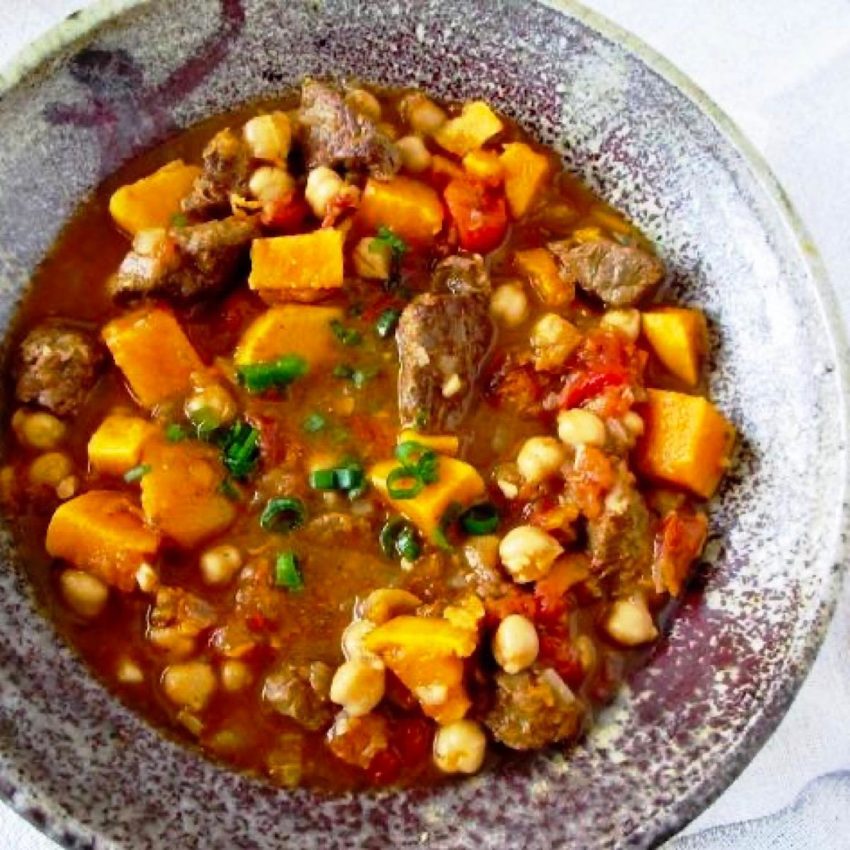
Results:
x,y
780,69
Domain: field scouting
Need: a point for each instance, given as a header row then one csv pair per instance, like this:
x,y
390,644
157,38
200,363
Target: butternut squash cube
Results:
x,y
153,200
156,357
102,532
541,270
456,482
472,128
305,261
410,208
678,337
436,682
290,329
422,636
484,165
444,444
116,445
181,493
525,173
686,441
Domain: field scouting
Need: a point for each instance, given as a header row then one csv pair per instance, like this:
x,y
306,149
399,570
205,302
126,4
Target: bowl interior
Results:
x,y
80,765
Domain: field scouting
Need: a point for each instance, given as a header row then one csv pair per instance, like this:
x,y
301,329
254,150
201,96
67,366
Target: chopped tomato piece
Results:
x,y
591,478
678,544
557,651
479,213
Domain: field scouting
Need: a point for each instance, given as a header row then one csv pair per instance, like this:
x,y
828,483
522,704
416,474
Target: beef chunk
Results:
x,y
619,275
177,608
227,168
333,134
57,366
532,709
443,338
300,691
185,262
357,740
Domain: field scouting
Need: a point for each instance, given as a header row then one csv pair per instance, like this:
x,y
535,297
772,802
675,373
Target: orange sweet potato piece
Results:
x,y
436,682
305,261
525,173
156,357
104,533
116,445
180,493
686,441
678,337
539,266
410,208
475,125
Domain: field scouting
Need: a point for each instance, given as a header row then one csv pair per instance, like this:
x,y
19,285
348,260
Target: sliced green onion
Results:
x,y
283,515
409,452
137,472
386,323
314,423
480,519
349,477
403,483
357,376
427,467
323,479
241,450
347,336
398,538
407,544
175,433
395,243
259,377
287,573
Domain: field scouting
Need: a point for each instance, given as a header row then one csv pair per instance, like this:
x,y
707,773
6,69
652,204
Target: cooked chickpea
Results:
x,y
212,402
38,430
235,675
323,185
147,578
539,458
509,304
85,594
372,258
578,427
459,747
49,469
172,641
415,157
515,644
633,423
553,339
129,673
269,136
365,103
220,563
270,184
625,321
423,115
67,487
629,621
352,639
358,685
190,684
528,552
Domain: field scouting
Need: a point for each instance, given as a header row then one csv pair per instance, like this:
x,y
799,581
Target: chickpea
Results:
x,y
528,552
372,258
629,621
49,469
235,675
212,402
539,458
352,639
415,157
515,644
172,641
220,563
38,430
86,594
67,487
509,304
578,427
358,685
270,184
459,747
633,423
190,684
365,103
147,578
553,339
627,321
129,673
269,136
423,115
323,185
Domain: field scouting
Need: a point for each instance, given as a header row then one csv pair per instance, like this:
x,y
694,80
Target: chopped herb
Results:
x,y
175,433
241,450
314,423
137,472
480,519
357,376
386,323
421,461
276,374
404,483
398,538
283,515
323,479
179,220
395,243
347,336
229,490
287,573
346,478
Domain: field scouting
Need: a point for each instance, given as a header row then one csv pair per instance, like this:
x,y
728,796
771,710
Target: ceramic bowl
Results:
x,y
122,76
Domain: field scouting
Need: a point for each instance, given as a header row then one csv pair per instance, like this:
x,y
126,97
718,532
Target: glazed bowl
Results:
x,y
114,80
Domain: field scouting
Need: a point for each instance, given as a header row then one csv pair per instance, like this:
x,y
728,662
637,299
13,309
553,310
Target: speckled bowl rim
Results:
x,y
81,25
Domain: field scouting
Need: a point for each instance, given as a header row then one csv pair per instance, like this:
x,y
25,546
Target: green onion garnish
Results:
x,y
287,573
357,376
259,377
398,538
386,323
395,243
314,423
347,478
175,433
347,336
323,479
137,472
283,515
480,519
241,450
407,544
403,483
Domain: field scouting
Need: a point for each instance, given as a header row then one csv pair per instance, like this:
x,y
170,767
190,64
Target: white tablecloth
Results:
x,y
781,70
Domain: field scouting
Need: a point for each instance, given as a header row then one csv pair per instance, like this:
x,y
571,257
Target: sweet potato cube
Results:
x,y
444,444
525,173
304,261
410,208
104,533
156,357
539,266
678,337
484,165
181,492
421,636
290,329
117,444
436,682
475,125
686,441
153,200
456,482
